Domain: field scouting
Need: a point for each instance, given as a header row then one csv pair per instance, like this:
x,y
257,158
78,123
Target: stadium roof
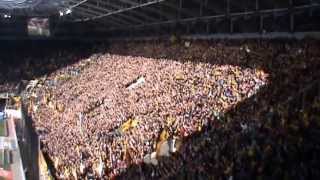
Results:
x,y
115,15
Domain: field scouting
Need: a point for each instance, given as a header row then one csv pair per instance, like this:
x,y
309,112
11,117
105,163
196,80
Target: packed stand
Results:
x,y
181,109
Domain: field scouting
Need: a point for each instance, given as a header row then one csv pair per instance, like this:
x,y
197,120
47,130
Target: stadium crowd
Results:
x,y
187,109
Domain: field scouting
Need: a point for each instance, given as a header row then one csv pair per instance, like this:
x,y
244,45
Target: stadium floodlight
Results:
x,y
7,16
65,12
68,11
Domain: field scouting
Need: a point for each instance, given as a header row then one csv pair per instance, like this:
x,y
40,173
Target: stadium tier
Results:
x,y
159,89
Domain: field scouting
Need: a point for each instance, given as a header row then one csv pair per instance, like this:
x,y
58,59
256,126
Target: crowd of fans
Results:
x,y
180,109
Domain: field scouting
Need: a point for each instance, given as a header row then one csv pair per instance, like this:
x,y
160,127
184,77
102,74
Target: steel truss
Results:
x,y
141,17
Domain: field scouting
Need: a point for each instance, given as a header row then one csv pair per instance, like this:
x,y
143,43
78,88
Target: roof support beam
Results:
x,y
159,12
129,2
84,15
182,10
77,3
130,8
117,7
143,15
207,4
231,15
95,14
104,11
88,11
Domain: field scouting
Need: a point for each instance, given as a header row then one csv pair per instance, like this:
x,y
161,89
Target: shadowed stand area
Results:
x,y
271,135
24,60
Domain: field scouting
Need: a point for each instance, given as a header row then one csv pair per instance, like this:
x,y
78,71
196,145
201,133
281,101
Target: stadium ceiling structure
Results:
x,y
188,16
184,16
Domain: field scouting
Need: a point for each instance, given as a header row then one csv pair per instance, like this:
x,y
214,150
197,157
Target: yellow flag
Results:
x,y
131,123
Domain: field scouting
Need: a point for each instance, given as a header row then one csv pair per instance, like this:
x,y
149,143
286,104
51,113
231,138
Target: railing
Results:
x,y
11,166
